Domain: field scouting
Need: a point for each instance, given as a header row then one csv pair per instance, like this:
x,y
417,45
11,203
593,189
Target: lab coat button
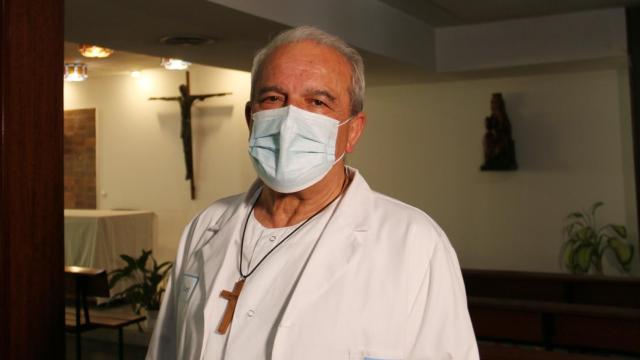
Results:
x,y
272,238
250,313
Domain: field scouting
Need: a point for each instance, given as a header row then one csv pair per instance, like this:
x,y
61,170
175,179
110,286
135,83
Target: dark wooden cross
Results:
x,y
186,100
232,298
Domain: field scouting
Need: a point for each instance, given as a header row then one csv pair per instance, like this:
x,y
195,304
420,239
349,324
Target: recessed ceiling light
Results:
x,y
75,72
187,40
94,51
174,64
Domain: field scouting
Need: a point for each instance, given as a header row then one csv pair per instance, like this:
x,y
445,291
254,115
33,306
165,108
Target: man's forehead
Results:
x,y
305,57
307,49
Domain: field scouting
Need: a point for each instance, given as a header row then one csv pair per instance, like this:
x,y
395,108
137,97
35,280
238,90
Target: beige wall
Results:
x,y
422,145
139,150
573,142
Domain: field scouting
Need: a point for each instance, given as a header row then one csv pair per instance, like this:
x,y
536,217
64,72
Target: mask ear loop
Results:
x,y
346,121
344,152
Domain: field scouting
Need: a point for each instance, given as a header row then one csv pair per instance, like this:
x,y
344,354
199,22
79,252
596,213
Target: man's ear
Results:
x,y
247,114
356,127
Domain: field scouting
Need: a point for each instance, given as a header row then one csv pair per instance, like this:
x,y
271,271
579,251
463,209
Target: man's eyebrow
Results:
x,y
274,88
318,92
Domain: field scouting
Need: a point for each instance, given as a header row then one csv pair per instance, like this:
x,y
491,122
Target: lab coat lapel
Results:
x,y
219,251
214,256
337,248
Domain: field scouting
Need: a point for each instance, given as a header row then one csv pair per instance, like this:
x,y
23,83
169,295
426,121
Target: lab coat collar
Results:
x,y
356,202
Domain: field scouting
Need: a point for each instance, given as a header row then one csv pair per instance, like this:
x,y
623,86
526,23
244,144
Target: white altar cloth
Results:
x,y
96,238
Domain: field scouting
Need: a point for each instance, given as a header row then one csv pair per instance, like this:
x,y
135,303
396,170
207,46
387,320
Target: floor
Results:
x,y
102,344
103,350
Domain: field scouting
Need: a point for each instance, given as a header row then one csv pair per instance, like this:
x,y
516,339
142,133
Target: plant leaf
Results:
x,y
595,207
620,230
612,229
567,255
146,291
622,250
128,259
582,257
586,234
163,274
575,215
116,279
142,260
166,263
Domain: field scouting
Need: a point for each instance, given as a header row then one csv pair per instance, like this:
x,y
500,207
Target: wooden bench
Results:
x,y
556,325
562,288
80,284
555,310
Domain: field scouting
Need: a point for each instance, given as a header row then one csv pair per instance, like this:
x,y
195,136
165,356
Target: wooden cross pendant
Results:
x,y
232,298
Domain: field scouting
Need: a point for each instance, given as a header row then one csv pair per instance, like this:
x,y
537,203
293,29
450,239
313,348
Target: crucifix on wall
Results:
x,y
186,100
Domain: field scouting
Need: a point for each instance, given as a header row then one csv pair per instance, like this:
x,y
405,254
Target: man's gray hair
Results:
x,y
309,33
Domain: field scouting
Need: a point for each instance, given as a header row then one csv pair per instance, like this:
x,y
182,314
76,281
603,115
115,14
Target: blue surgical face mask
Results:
x,y
292,149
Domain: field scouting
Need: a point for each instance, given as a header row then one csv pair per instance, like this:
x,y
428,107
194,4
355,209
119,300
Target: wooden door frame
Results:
x,y
31,206
633,49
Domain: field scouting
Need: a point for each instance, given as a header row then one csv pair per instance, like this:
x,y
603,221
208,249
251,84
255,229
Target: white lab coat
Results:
x,y
382,283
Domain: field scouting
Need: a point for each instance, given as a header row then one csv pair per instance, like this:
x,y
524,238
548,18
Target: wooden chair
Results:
x,y
80,284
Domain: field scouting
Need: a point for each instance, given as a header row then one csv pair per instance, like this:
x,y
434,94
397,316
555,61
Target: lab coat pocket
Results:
x,y
374,354
187,285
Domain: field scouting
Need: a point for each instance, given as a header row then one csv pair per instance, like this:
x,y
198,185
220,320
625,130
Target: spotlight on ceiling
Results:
x,y
174,64
75,72
94,51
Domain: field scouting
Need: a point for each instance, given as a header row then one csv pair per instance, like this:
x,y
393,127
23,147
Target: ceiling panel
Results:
x,y
462,12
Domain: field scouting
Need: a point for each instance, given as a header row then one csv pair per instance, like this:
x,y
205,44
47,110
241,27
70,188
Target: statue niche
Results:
x,y
499,148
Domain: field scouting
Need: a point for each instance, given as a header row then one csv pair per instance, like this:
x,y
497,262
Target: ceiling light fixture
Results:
x,y
75,72
174,64
94,51
136,74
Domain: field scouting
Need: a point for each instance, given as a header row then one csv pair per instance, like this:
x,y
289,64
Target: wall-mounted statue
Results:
x,y
499,148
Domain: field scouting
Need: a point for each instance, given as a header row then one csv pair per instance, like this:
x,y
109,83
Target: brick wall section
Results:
x,y
80,159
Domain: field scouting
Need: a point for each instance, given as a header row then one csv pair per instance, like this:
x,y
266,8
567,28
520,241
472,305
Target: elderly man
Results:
x,y
310,263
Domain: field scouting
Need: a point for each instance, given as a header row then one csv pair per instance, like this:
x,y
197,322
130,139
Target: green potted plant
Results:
x,y
586,243
145,292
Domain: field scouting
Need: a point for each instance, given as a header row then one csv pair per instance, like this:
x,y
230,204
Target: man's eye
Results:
x,y
317,102
271,99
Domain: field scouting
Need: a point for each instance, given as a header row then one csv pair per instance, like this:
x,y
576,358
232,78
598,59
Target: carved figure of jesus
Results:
x,y
186,101
499,147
